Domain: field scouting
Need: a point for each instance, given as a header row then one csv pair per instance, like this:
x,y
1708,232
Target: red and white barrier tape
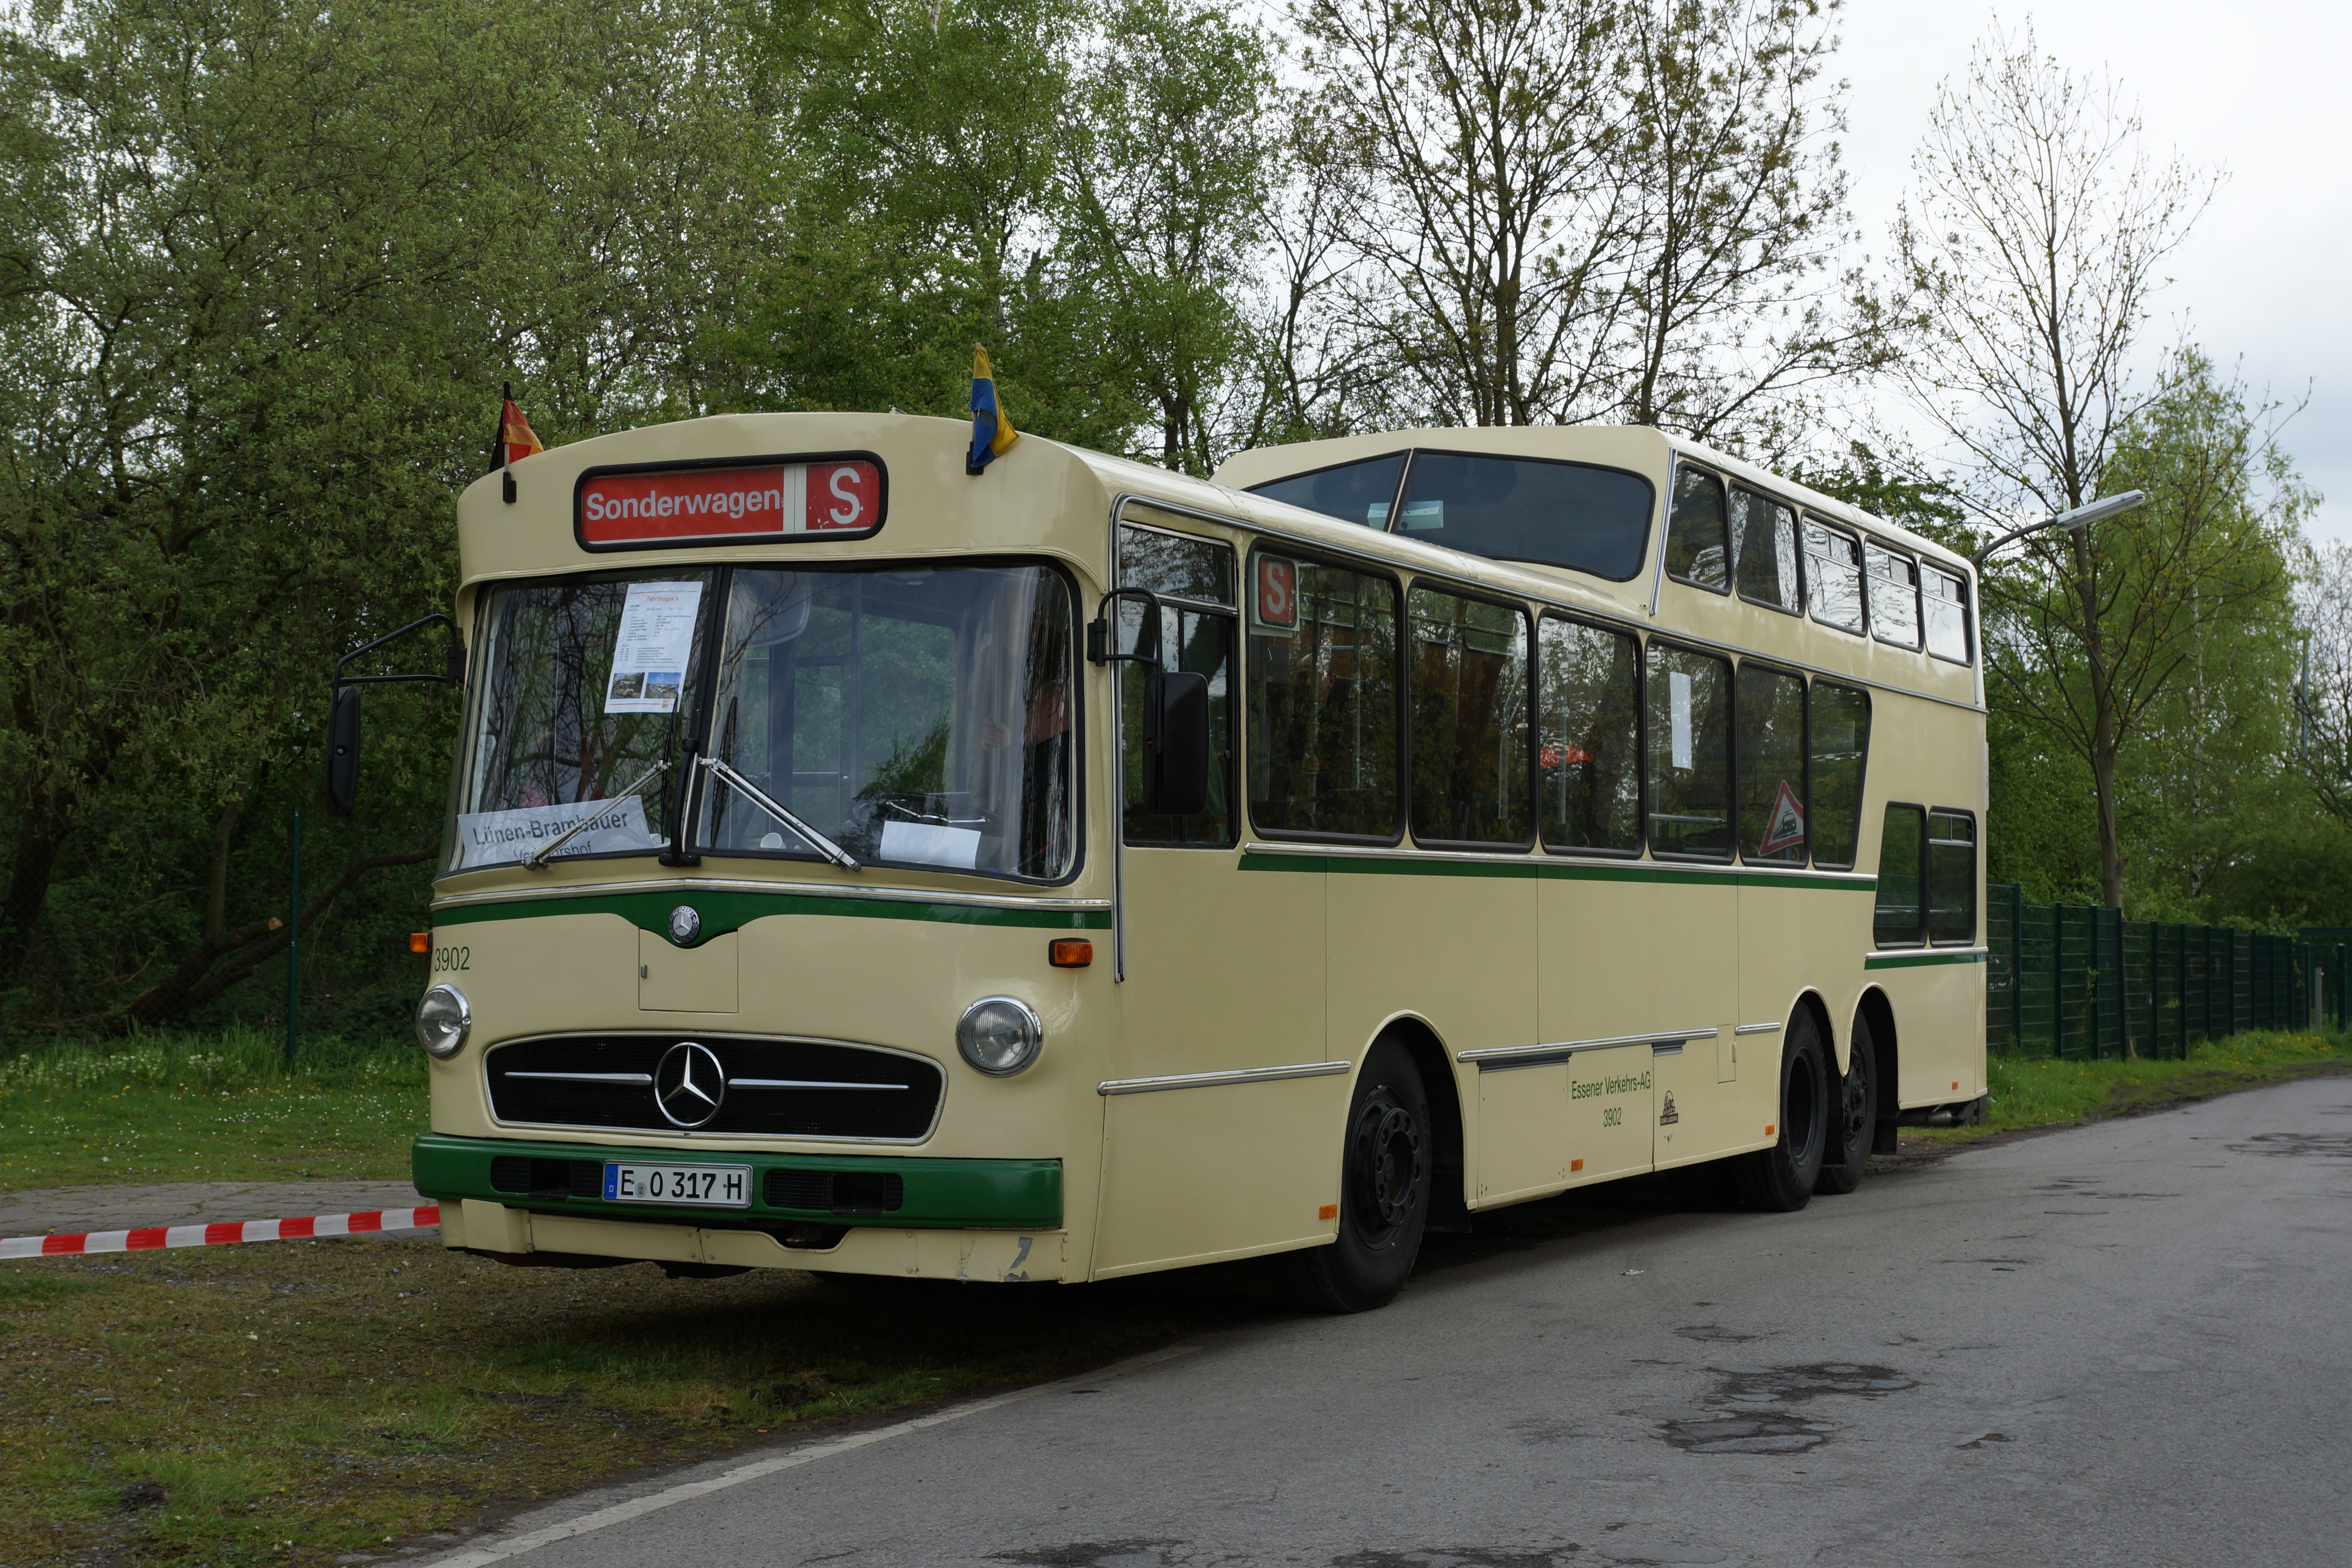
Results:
x,y
221,1235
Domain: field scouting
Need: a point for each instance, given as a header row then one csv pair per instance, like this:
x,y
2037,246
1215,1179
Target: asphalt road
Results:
x,y
2123,1344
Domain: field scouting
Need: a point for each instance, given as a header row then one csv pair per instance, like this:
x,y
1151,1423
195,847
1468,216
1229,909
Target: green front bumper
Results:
x,y
979,1194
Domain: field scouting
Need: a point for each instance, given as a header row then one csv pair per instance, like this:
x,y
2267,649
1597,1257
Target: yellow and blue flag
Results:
x,y
992,434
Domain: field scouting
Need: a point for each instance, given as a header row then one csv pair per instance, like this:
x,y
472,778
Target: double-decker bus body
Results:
x,y
699,1035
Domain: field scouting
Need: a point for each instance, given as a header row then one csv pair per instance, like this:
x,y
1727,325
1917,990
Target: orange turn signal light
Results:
x,y
1328,1210
420,942
1574,1165
1770,1128
1071,952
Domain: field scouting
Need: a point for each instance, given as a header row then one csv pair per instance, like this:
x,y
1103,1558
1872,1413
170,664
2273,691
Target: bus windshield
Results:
x,y
916,717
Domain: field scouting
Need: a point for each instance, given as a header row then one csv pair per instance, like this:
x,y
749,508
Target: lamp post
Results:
x,y
2080,516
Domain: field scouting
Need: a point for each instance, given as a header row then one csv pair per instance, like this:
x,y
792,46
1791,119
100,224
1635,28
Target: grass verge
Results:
x,y
302,1402
219,1107
2033,1092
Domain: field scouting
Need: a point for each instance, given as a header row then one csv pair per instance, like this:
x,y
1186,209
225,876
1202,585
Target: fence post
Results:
x,y
294,936
2017,965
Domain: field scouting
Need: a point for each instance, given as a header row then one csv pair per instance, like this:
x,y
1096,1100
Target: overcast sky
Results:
x,y
2255,88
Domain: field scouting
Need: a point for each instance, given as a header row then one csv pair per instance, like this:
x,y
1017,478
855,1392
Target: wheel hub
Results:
x,y
1386,1164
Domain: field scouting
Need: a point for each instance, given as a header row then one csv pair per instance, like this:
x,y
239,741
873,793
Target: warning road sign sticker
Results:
x,y
1786,828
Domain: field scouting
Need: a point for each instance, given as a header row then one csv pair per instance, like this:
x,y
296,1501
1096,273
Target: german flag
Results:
x,y
514,441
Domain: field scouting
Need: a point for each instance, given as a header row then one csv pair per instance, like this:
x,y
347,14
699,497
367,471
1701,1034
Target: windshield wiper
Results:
x,y
756,796
538,858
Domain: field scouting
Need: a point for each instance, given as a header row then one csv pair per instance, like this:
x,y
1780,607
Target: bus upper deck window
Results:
x,y
1947,600
1893,596
1696,550
1834,575
1360,492
1577,515
1764,546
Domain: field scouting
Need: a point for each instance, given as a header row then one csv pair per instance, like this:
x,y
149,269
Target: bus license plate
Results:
x,y
714,1187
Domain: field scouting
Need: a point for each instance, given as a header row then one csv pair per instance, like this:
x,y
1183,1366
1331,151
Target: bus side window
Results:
x,y
1772,761
1893,596
1902,858
1322,697
1466,668
1951,877
1696,548
1588,750
1946,599
1838,738
1764,545
1689,772
1833,574
1194,578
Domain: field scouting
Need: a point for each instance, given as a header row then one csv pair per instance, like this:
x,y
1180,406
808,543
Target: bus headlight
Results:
x,y
999,1036
442,1022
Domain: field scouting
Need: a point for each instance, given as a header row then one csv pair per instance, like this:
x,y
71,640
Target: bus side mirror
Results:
x,y
343,751
1175,743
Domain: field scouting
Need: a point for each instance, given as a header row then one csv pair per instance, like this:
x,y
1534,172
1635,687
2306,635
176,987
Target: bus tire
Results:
x,y
1855,1119
1779,1180
1386,1170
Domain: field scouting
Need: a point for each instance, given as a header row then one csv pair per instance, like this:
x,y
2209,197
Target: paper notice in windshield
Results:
x,y
651,650
502,837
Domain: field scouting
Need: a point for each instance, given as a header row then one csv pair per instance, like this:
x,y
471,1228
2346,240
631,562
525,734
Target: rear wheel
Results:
x,y
1780,1179
1855,1119
1385,1175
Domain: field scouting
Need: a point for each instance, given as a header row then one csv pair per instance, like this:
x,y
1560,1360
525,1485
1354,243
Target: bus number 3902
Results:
x,y
452,958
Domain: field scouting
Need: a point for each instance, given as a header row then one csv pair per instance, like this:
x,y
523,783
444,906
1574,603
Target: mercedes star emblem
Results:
x,y
685,924
690,1083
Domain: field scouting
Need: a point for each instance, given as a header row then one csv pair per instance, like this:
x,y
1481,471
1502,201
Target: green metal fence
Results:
x,y
2070,980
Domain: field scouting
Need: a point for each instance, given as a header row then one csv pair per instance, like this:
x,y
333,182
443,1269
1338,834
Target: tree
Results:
x,y
1170,171
1588,210
2324,686
261,270
2030,243
2156,641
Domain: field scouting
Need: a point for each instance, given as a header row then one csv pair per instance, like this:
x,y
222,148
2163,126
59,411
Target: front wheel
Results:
x,y
1384,1181
1855,1119
1779,1180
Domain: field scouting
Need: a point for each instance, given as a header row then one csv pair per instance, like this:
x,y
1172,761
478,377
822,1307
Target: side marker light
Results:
x,y
420,942
1769,1128
1956,1083
1574,1165
1328,1210
1071,952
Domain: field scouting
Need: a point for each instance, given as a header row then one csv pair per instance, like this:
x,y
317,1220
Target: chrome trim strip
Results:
x,y
590,1077
791,1083
1917,952
742,885
1755,1029
1545,858
1565,1048
1209,1079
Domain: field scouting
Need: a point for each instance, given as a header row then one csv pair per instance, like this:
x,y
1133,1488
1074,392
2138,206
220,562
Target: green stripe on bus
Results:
x,y
1554,870
723,910
991,1194
1916,960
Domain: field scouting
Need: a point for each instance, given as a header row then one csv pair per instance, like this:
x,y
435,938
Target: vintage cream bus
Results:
x,y
858,864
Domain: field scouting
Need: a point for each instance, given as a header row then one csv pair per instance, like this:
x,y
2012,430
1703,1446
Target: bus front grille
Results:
x,y
782,1088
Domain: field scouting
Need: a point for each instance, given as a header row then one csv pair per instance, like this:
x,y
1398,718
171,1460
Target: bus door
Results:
x,y
1223,956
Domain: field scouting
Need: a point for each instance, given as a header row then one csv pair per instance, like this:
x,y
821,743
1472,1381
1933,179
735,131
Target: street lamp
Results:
x,y
2082,516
